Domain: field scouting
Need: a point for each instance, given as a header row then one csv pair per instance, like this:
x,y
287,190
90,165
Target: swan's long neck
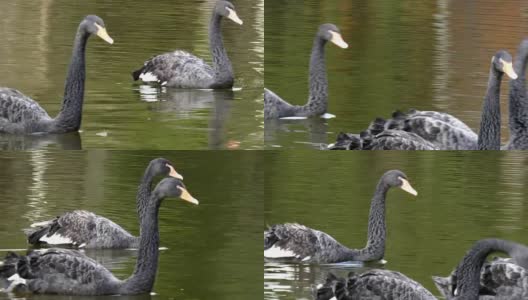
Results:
x,y
375,248
142,280
518,105
317,100
490,123
221,63
467,274
70,116
144,192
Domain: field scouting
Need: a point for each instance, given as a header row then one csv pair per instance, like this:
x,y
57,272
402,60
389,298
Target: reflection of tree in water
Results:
x,y
194,104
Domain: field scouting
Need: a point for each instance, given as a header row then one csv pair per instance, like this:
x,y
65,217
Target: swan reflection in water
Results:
x,y
316,129
66,141
200,104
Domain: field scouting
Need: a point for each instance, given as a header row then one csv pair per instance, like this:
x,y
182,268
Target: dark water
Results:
x,y
462,197
428,55
213,249
119,114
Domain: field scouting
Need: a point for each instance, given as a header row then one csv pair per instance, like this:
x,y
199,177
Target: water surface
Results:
x,y
428,55
212,249
119,114
462,197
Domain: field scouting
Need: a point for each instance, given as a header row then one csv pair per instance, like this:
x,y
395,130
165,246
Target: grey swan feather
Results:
x,y
388,285
180,69
70,272
84,229
442,130
20,114
275,107
298,243
500,278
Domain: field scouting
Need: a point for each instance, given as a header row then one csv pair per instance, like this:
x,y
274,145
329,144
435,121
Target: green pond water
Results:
x,y
212,250
35,52
462,197
428,55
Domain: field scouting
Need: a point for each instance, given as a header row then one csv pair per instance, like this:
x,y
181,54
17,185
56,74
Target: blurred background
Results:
x,y
213,249
35,51
462,197
428,55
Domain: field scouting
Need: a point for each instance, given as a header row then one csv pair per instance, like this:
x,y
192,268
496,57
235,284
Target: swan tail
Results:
x,y
40,230
346,141
137,73
377,126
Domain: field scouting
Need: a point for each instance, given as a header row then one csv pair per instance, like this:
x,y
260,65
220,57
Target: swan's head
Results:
x,y
95,25
503,63
330,32
396,178
163,167
227,9
172,187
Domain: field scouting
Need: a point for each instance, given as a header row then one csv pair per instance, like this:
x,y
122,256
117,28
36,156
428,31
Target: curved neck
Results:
x,y
518,106
221,63
375,248
142,280
490,123
70,116
468,271
144,193
317,100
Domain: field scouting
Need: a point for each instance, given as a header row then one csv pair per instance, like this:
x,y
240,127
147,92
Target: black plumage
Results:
x,y
276,107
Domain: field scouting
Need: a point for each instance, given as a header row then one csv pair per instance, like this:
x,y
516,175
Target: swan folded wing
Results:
x,y
290,241
445,117
82,229
275,107
397,140
62,271
178,69
18,108
442,134
505,279
390,284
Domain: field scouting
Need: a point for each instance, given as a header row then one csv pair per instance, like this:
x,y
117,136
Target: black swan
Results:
x,y
298,243
20,114
275,107
441,130
84,229
385,284
500,278
180,69
518,103
70,272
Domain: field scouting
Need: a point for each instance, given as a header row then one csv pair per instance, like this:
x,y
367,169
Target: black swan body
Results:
x,y
275,107
389,285
70,272
500,278
298,243
518,103
84,229
20,114
431,130
180,69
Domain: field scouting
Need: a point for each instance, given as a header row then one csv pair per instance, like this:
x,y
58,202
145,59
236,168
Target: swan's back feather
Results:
x,y
275,107
177,69
305,243
18,111
82,229
62,271
499,279
373,284
443,130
